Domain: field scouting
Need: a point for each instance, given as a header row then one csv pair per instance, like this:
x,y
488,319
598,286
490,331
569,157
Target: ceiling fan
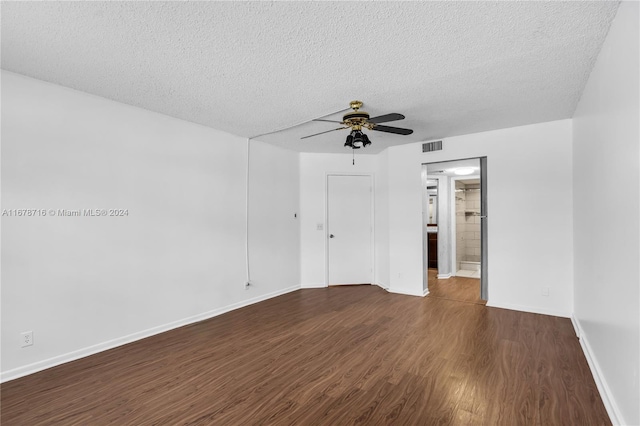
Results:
x,y
357,120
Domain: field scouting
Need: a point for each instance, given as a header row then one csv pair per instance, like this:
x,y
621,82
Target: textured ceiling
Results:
x,y
254,67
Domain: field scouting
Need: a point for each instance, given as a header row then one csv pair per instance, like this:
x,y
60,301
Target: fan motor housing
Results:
x,y
356,119
356,114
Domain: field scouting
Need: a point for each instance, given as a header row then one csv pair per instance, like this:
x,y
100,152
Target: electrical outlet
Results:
x,y
26,338
545,291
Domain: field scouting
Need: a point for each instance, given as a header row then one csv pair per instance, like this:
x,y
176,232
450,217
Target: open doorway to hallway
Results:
x,y
455,229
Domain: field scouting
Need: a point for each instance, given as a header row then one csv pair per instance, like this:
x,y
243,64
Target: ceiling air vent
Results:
x,y
432,146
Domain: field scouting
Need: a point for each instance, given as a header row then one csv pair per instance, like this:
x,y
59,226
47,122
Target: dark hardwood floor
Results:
x,y
455,288
340,355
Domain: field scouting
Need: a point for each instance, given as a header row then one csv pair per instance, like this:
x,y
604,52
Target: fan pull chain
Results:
x,y
354,156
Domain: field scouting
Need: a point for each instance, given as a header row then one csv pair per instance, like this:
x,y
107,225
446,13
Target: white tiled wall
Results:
x,y
461,223
467,222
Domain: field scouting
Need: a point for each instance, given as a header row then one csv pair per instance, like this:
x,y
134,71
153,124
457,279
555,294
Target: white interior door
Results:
x,y
349,229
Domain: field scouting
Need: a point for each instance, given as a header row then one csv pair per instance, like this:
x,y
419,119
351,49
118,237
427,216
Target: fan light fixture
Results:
x,y
357,140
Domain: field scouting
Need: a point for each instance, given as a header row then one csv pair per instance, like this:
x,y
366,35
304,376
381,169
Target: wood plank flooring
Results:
x,y
461,289
333,356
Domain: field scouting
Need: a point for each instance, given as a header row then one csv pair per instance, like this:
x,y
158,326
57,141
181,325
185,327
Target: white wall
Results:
x,y
526,251
445,258
83,284
405,220
382,220
606,215
274,228
525,163
313,171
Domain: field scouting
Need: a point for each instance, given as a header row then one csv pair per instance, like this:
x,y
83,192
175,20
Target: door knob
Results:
x,y
330,235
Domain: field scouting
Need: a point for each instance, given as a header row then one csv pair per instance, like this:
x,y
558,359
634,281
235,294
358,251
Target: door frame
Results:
x,y
371,177
484,234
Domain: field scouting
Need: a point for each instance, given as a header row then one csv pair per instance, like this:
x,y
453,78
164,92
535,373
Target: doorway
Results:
x,y
349,229
455,224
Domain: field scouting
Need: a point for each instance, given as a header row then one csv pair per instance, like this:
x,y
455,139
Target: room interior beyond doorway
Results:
x,y
468,242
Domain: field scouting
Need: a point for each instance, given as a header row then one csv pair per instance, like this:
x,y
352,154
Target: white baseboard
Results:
x,y
605,393
100,347
425,292
382,285
444,276
529,309
576,326
407,293
314,285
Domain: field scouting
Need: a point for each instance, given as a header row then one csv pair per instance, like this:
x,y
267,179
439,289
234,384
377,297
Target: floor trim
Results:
x,y
407,293
522,308
605,393
35,367
314,285
576,326
444,276
382,286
